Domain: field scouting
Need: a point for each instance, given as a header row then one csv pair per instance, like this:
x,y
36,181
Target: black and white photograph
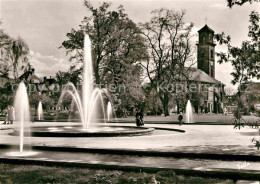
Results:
x,y
130,91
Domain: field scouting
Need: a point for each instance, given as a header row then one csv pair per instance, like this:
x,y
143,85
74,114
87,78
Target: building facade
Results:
x,y
206,51
205,72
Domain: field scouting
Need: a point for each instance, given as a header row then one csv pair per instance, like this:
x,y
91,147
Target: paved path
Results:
x,y
197,138
217,139
230,169
213,118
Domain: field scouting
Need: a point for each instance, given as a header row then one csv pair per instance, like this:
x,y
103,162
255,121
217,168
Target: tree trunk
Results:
x,y
165,102
97,77
178,107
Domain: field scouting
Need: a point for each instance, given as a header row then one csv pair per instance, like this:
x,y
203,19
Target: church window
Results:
x,y
212,69
210,37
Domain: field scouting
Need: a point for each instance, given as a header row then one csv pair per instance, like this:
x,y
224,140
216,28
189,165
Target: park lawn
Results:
x,y
43,174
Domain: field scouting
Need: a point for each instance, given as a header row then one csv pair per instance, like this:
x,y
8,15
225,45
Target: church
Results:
x,y
204,74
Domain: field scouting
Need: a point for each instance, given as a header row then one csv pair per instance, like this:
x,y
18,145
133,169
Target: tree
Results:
x,y
72,75
117,47
170,48
47,101
6,96
17,56
13,53
5,42
115,38
231,3
245,59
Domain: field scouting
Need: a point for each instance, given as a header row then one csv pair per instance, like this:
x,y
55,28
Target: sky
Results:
x,y
43,24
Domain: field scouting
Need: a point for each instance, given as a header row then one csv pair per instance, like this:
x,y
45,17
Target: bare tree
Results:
x,y
169,40
17,56
5,43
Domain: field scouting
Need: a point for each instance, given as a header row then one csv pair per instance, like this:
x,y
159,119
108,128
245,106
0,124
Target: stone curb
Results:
x,y
218,173
135,132
212,156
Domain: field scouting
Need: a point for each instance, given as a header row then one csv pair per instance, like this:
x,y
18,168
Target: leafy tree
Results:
x,y
245,59
170,48
47,101
117,47
115,39
72,75
6,96
231,3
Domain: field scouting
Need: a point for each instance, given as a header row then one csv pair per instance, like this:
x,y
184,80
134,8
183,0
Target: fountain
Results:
x,y
89,102
22,119
22,113
109,111
40,111
189,113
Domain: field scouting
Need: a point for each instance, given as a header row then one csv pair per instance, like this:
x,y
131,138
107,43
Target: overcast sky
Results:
x,y
43,24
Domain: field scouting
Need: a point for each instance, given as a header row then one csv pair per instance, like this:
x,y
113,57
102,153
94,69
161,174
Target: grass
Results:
x,y
15,174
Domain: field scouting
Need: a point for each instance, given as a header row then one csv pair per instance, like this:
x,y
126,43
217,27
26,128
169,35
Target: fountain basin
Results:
x,y
21,154
99,131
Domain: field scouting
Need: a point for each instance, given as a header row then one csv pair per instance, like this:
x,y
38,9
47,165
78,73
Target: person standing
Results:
x,y
142,118
139,118
6,116
10,114
180,118
225,111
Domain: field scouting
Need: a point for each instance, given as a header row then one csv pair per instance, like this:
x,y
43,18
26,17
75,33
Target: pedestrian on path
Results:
x,y
10,115
180,118
6,116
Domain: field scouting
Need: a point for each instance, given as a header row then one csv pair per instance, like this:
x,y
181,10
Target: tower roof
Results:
x,y
206,28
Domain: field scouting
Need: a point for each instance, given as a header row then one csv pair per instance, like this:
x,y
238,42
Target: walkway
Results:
x,y
197,139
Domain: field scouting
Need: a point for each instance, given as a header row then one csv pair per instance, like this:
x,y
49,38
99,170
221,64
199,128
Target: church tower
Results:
x,y
206,51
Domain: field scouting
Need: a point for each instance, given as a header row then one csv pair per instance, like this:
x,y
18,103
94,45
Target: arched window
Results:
x,y
210,38
212,69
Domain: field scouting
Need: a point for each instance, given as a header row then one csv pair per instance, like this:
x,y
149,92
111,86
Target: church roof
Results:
x,y
34,77
206,28
200,76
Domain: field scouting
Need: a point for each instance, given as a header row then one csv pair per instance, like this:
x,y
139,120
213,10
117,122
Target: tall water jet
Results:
x,y
189,113
88,104
22,113
40,111
109,111
87,86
